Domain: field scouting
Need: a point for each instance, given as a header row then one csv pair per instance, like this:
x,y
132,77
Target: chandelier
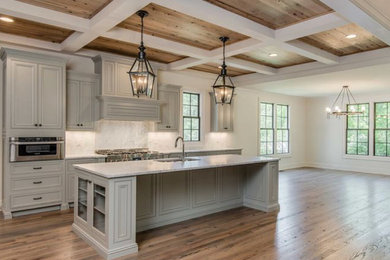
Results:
x,y
340,105
223,86
141,73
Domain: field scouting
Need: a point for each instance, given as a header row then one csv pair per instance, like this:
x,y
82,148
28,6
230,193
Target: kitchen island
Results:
x,y
116,200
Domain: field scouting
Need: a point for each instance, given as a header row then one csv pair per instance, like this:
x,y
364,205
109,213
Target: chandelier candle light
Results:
x,y
223,86
141,73
343,100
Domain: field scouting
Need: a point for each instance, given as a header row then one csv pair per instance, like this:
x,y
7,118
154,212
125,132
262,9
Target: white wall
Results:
x,y
326,139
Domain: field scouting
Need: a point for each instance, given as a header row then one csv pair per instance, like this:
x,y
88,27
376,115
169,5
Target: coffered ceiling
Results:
x,y
184,34
80,8
169,24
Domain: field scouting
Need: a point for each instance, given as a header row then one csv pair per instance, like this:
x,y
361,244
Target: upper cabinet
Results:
x,y
169,96
80,100
114,78
34,90
221,116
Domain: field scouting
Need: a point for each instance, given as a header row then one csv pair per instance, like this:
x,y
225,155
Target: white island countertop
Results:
x,y
135,168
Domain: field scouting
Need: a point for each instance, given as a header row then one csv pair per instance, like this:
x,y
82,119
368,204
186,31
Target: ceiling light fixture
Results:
x,y
273,55
6,19
223,86
141,73
340,105
351,36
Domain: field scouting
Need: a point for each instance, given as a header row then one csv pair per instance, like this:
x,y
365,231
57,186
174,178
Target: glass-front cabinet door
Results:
x,y
99,207
82,208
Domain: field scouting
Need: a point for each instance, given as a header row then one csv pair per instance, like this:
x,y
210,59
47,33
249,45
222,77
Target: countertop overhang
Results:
x,y
136,168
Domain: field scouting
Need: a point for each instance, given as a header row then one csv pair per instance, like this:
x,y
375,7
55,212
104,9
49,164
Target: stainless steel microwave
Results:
x,y
24,149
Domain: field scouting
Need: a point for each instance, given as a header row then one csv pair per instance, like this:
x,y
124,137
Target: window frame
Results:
x,y
282,129
191,117
375,129
357,131
267,129
274,129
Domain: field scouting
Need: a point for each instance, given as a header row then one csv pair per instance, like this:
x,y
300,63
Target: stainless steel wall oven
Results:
x,y
24,149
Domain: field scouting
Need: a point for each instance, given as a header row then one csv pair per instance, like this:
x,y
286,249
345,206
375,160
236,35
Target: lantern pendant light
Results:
x,y
141,73
343,100
223,86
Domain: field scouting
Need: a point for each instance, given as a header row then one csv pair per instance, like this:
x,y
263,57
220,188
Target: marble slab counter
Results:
x,y
84,156
174,151
136,168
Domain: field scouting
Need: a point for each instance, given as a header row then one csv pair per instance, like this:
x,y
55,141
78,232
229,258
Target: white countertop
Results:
x,y
84,156
199,150
135,168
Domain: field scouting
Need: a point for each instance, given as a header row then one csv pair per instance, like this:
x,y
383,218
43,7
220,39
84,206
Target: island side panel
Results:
x,y
261,186
173,197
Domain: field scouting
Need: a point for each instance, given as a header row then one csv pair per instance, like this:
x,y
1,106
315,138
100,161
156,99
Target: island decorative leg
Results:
x,y
261,186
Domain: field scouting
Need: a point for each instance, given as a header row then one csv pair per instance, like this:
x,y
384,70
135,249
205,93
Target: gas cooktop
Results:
x,y
121,155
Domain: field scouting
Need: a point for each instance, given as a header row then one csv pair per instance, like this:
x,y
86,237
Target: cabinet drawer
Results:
x,y
30,200
70,163
36,167
35,183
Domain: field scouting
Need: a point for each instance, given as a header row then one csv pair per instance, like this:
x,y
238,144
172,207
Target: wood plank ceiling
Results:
x,y
34,30
335,41
128,49
275,13
283,58
169,24
215,69
81,8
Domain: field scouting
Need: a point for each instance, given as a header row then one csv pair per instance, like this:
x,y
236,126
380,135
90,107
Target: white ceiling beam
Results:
x,y
20,40
237,23
309,27
126,35
43,15
106,19
251,66
310,51
356,15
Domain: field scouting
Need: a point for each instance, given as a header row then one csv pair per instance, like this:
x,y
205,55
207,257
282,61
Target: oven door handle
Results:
x,y
28,143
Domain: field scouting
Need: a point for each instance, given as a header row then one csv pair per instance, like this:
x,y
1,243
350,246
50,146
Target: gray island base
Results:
x,y
116,200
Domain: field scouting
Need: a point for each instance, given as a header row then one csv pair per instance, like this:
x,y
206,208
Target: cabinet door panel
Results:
x,y
146,202
169,111
174,189
73,101
108,87
50,93
204,187
23,95
230,183
123,80
86,104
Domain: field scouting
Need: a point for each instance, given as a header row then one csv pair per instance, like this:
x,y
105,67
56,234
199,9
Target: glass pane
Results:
x,y
99,207
380,136
279,135
285,135
381,122
380,149
263,148
362,136
263,135
195,135
194,100
262,109
262,122
186,99
352,122
363,148
186,110
285,147
194,111
195,123
351,136
279,147
187,135
363,123
278,111
187,123
270,148
268,123
269,109
351,148
270,136
381,108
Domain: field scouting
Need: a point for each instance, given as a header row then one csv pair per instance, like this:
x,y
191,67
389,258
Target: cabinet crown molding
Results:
x,y
13,53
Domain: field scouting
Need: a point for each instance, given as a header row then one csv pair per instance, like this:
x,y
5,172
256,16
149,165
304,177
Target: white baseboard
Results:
x,y
341,167
292,166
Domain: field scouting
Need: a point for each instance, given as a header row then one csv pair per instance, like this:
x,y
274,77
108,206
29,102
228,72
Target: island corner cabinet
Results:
x,y
113,201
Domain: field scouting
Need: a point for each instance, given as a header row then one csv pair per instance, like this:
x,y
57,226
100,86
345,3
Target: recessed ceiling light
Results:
x,y
273,55
6,19
351,36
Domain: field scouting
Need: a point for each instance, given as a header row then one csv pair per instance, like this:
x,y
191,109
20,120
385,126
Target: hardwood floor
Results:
x,y
324,215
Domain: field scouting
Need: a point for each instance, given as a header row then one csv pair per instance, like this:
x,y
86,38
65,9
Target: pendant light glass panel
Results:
x,y
223,90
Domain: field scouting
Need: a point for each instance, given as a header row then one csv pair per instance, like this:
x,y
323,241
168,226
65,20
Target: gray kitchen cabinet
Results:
x,y
169,95
81,100
221,116
36,92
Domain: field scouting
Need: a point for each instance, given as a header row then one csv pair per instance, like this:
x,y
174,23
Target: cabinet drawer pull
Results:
x,y
37,168
37,198
37,182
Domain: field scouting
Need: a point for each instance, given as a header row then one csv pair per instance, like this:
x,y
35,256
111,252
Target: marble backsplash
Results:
x,y
126,134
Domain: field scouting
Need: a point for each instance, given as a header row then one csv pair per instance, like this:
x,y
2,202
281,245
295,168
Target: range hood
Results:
x,y
129,109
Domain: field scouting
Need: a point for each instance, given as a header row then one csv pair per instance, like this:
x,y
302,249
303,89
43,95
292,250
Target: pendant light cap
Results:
x,y
142,13
224,38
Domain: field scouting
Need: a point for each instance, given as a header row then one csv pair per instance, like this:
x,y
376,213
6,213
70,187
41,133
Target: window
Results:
x,y
266,128
274,134
191,117
382,129
357,141
282,129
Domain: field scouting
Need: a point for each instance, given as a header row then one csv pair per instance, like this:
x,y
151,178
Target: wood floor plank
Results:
x,y
324,214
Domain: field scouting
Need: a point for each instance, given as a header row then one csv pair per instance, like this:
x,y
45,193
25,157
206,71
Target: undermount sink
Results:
x,y
176,159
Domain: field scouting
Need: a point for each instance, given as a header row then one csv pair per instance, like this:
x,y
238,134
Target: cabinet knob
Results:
x,y
225,128
81,124
78,124
35,124
40,125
